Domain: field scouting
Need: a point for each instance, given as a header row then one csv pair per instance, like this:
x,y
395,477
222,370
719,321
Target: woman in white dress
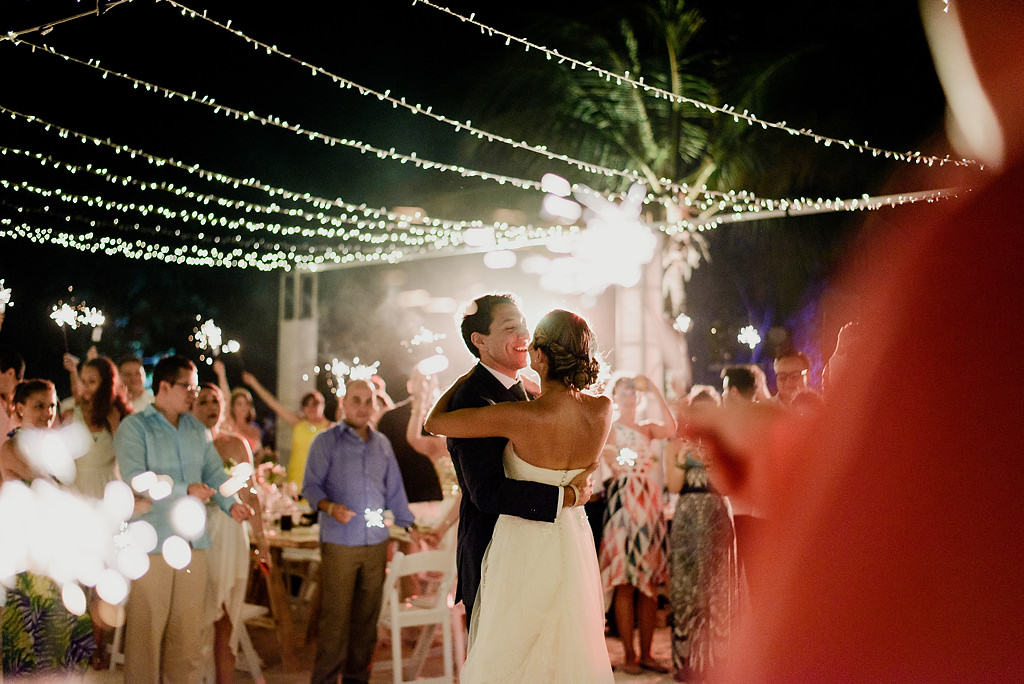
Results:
x,y
100,405
228,555
539,613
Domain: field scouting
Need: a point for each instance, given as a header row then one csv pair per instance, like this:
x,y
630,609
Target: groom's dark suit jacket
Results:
x,y
486,492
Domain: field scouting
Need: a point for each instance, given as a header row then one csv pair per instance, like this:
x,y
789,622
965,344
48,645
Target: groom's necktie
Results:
x,y
517,389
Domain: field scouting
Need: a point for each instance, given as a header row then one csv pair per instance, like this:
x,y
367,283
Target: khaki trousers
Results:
x,y
164,623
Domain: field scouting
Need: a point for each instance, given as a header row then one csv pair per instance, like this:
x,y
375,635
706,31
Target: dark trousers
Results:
x,y
351,582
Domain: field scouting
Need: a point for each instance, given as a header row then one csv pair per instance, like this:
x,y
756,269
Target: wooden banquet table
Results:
x,y
277,587
277,590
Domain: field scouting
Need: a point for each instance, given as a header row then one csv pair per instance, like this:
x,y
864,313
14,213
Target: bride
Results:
x,y
539,613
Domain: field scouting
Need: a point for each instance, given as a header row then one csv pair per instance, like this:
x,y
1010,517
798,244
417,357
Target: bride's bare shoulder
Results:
x,y
598,402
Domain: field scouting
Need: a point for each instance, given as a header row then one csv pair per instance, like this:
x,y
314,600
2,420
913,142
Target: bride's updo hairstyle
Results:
x,y
566,339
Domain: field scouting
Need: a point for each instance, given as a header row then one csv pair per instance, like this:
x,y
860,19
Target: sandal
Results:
x,y
629,668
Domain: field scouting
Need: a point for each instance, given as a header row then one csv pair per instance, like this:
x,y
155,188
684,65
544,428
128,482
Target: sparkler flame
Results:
x,y
208,336
5,296
356,371
749,336
613,249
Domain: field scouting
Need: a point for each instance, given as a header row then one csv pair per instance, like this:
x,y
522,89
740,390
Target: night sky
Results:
x,y
859,71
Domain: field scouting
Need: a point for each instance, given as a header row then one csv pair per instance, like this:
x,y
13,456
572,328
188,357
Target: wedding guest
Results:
x,y
740,386
228,555
701,552
422,485
384,401
306,424
40,637
427,471
241,414
847,342
100,405
443,526
352,477
133,375
792,373
164,619
633,557
12,370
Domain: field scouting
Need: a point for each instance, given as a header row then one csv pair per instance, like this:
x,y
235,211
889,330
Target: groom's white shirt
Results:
x,y
507,383
505,380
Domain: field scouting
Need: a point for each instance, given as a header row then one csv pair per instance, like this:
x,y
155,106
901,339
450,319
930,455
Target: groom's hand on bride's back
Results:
x,y
584,484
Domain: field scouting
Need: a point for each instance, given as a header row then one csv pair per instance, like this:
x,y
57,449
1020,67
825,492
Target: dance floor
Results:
x,y
264,640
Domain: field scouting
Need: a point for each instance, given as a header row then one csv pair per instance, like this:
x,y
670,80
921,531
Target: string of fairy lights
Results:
x,y
277,122
372,220
396,229
625,79
390,235
499,235
400,102
703,202
324,225
467,127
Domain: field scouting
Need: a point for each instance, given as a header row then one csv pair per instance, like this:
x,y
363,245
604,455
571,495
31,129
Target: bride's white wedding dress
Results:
x,y
539,613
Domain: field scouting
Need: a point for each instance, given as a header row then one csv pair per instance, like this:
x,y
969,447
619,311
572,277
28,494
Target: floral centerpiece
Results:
x,y
279,495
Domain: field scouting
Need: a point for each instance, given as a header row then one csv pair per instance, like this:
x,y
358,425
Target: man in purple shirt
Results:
x,y
352,477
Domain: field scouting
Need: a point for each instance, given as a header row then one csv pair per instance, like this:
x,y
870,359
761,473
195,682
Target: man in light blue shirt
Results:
x,y
165,610
352,477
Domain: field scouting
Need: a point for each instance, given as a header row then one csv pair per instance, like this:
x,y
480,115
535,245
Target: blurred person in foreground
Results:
x,y
900,560
41,638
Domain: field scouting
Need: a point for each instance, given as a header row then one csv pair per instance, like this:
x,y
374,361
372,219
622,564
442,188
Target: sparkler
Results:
x,y
5,300
613,249
749,336
357,371
72,539
208,337
437,362
74,315
374,517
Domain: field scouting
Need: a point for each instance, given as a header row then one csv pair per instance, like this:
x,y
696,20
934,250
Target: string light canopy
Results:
x,y
375,236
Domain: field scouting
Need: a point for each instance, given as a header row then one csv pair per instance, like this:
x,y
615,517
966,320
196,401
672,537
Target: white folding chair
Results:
x,y
250,660
424,611
117,647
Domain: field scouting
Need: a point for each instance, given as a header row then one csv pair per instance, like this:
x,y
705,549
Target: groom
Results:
x,y
495,332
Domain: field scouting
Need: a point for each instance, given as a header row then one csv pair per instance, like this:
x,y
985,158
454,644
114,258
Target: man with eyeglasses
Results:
x,y
792,371
164,611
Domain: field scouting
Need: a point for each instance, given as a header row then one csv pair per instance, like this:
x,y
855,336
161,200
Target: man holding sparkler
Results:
x,y
352,477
